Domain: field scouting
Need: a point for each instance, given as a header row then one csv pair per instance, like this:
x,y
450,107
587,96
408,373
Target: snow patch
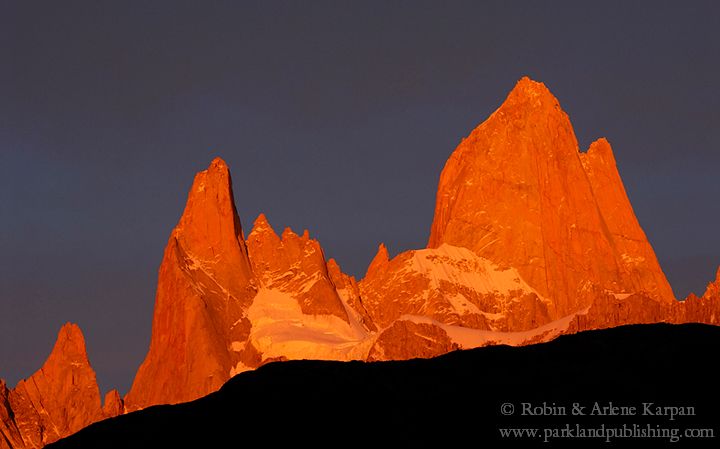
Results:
x,y
462,305
239,368
468,338
463,267
280,329
309,282
194,263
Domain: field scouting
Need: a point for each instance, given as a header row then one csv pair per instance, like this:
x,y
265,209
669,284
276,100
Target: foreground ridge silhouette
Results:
x,y
448,400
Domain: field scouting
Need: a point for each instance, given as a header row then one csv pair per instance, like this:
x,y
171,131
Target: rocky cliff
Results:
x,y
61,398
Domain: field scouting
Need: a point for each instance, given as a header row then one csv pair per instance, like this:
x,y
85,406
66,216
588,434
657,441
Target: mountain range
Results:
x,y
531,239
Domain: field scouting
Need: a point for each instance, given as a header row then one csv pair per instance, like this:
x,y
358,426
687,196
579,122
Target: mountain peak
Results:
x,y
602,149
60,398
219,164
527,89
333,268
529,85
600,157
70,345
214,179
713,288
382,253
262,225
204,282
288,233
210,204
380,260
512,188
210,227
71,331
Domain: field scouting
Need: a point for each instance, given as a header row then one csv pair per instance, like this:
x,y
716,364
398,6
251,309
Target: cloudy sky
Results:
x,y
335,117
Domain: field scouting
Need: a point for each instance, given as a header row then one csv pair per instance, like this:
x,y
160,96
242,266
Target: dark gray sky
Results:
x,y
333,116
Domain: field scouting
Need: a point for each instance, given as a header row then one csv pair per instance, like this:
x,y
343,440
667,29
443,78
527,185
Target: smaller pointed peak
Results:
x,y
602,150
261,221
340,279
601,142
383,252
218,163
262,224
288,233
263,231
713,287
380,260
306,235
113,404
335,272
600,145
333,265
70,345
70,332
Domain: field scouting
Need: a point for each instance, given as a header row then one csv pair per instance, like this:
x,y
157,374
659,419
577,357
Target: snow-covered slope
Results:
x,y
451,285
280,330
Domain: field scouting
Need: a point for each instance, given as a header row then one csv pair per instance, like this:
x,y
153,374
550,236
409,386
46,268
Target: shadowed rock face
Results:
x,y
405,340
10,436
58,400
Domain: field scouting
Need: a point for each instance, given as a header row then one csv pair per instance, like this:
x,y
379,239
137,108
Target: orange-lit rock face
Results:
x,y
296,265
517,192
349,291
212,285
638,264
58,400
205,285
713,289
407,340
702,310
306,307
113,405
9,434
